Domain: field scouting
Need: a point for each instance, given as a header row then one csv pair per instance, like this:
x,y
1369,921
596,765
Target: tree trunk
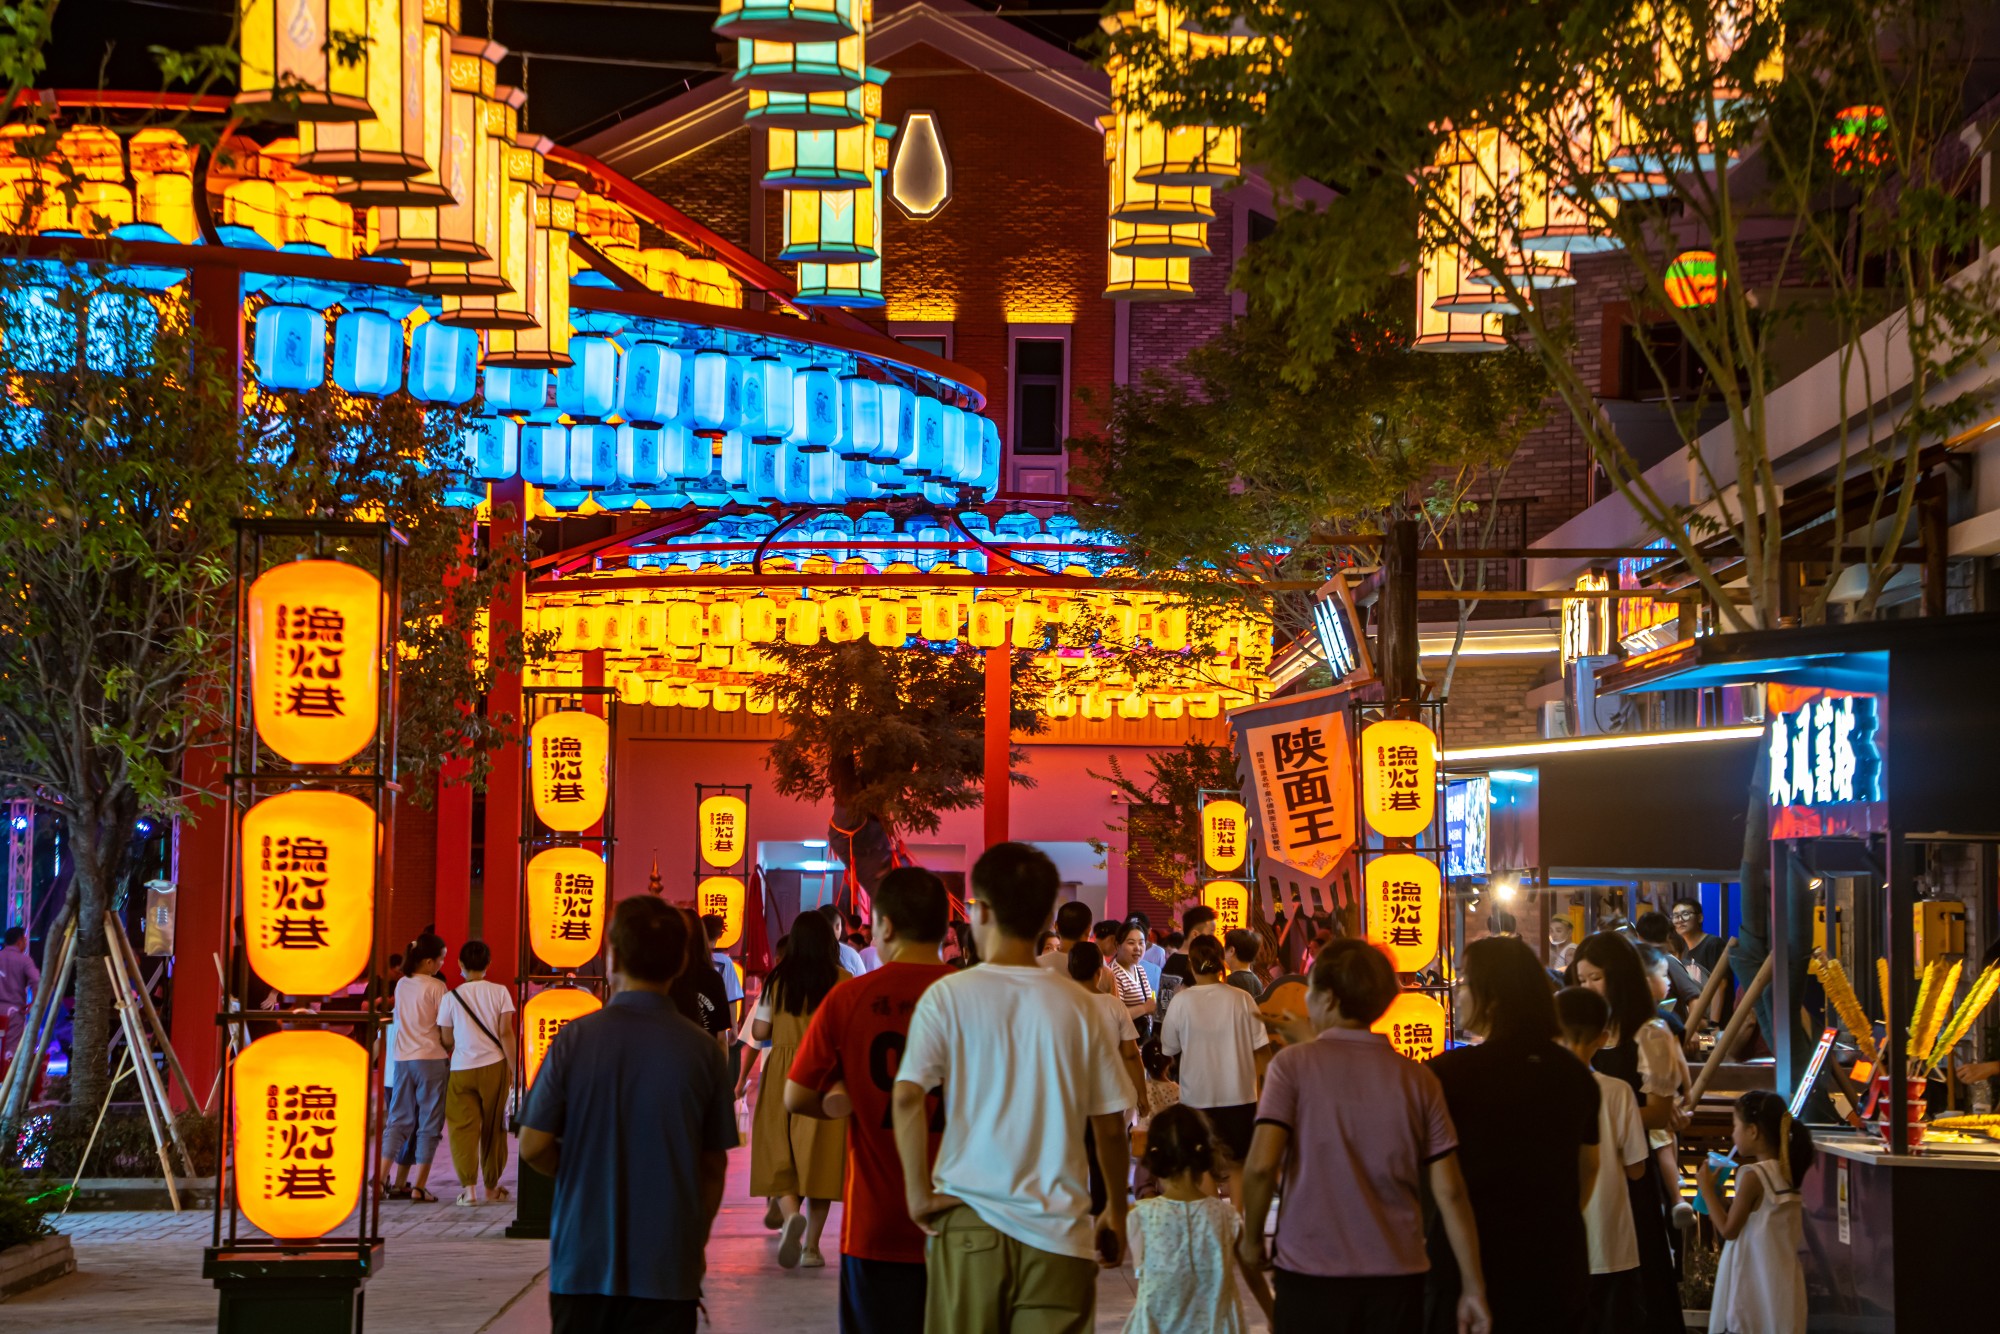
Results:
x,y
98,847
858,838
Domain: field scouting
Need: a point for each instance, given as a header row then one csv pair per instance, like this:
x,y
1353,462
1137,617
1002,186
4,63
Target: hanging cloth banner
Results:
x,y
1299,787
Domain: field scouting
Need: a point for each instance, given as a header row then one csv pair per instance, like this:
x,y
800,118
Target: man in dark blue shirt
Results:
x,y
631,1113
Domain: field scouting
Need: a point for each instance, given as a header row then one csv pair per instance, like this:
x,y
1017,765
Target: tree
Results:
x,y
1162,820
1726,125
895,737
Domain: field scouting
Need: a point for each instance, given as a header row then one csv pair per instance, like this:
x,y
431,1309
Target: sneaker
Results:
x,y
1683,1216
812,1259
774,1217
792,1241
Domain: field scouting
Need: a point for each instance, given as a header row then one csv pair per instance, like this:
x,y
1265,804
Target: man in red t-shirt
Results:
x,y
857,1038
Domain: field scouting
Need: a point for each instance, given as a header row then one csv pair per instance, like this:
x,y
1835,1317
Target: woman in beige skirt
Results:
x,y
798,1160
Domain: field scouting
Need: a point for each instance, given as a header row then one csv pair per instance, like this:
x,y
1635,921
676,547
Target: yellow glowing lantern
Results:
x,y
723,896
301,1131
988,628
1029,617
470,228
886,627
293,66
1403,896
725,623
572,754
802,622
760,620
1415,1025
315,659
385,157
308,890
545,345
1231,901
543,1017
1441,277
513,229
843,619
939,617
684,624
163,170
723,820
568,900
1398,777
1225,835
467,165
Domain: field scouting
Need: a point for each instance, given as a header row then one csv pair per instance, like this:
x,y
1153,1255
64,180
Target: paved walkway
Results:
x,y
447,1271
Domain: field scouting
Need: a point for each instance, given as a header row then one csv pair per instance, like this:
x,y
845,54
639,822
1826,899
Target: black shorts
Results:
x,y
595,1313
1310,1304
881,1296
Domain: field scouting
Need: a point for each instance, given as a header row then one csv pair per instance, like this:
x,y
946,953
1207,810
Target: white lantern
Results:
x,y
639,460
444,363
545,454
653,383
516,389
816,424
718,392
593,455
368,353
929,459
767,400
588,386
493,448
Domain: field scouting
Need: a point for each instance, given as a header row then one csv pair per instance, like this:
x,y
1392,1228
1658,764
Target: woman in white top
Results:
x,y
423,1065
477,1023
1135,992
1213,1027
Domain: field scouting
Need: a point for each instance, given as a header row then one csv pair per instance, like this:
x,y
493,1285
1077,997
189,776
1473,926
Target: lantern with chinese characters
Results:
x,y
568,900
301,1131
723,896
294,69
406,77
1415,1025
308,890
1230,900
1398,777
1404,892
1693,280
543,1017
546,345
1225,832
571,754
315,650
722,824
368,353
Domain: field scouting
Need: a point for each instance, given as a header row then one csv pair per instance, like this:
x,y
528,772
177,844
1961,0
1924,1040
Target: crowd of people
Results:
x,y
1006,1110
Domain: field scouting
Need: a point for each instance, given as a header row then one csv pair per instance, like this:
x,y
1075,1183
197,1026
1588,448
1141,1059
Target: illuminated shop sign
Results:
x,y
1825,752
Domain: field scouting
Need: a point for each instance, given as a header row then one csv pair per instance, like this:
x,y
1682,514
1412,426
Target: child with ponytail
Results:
x,y
1760,1287
1184,1239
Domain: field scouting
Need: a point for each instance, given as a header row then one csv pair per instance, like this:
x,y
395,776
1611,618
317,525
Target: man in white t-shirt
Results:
x,y
476,1021
1616,1296
1073,923
1024,1060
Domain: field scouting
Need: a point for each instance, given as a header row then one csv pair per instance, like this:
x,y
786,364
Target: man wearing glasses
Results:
x,y
1701,950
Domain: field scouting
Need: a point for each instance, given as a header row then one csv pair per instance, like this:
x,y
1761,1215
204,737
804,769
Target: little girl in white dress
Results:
x,y
1760,1286
1184,1239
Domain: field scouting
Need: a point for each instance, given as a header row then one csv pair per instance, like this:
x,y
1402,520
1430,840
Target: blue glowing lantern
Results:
x,y
793,474
861,415
593,455
835,531
943,493
929,460
767,400
825,488
736,461
976,525
588,386
932,532
566,501
516,389
639,460
875,526
989,455
718,393
368,353
855,483
764,479
545,454
291,347
684,455
493,448
898,411
444,363
122,326
656,384
816,422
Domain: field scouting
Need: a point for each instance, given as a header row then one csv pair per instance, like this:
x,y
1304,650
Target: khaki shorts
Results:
x,y
983,1281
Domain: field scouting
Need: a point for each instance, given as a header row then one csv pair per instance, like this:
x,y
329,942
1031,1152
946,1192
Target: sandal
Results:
x,y
467,1198
498,1195
396,1192
418,1195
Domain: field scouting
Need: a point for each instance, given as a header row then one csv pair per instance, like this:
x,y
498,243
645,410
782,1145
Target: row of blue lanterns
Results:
x,y
876,538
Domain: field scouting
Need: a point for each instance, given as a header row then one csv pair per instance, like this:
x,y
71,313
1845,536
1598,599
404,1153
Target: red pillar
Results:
x,y
451,888
201,870
500,913
999,742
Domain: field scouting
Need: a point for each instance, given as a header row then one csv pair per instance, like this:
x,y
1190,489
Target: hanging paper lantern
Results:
x,y
545,1015
300,1139
308,890
940,617
830,226
516,389
569,895
406,72
1692,279
988,624
1398,777
816,424
444,363
593,455
786,20
767,400
760,620
588,386
1225,835
571,752
493,448
546,345
722,821
1415,1025
468,229
861,416
802,622
722,895
368,353
163,174
718,393
1404,891
844,623
638,456
654,380
802,67
498,293
290,351
545,454
315,649
292,66
1231,901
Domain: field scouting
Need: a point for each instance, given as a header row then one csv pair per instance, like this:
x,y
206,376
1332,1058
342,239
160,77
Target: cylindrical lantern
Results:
x,y
802,622
295,64
308,890
1415,1025
546,345
466,164
444,363
639,461
493,448
1398,777
499,292
830,226
290,351
760,620
767,400
544,1016
988,626
516,389
301,1131
816,423
389,147
1404,891
722,895
844,623
722,824
588,386
717,407
315,650
368,353
651,381
572,755
1225,835
1231,901
545,454
569,896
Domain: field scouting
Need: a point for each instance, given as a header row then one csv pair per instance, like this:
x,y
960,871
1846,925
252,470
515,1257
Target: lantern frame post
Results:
x,y
1430,843
535,1191
316,1282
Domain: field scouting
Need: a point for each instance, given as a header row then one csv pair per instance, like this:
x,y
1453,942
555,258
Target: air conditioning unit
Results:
x,y
1555,719
1590,715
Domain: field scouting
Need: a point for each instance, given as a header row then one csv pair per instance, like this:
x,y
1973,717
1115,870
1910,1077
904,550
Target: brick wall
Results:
x,y
1488,704
712,185
412,879
1165,331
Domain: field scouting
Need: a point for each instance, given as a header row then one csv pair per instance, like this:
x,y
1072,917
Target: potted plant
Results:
x,y
32,1252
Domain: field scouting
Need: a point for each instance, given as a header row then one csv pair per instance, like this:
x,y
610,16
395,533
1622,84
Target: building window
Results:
x,y
1040,394
932,336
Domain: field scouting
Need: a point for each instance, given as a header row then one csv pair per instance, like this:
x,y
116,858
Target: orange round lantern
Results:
x,y
1693,279
1398,777
309,890
572,769
315,659
543,1017
723,896
1231,901
301,1131
568,900
1403,898
722,820
1225,830
1415,1025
